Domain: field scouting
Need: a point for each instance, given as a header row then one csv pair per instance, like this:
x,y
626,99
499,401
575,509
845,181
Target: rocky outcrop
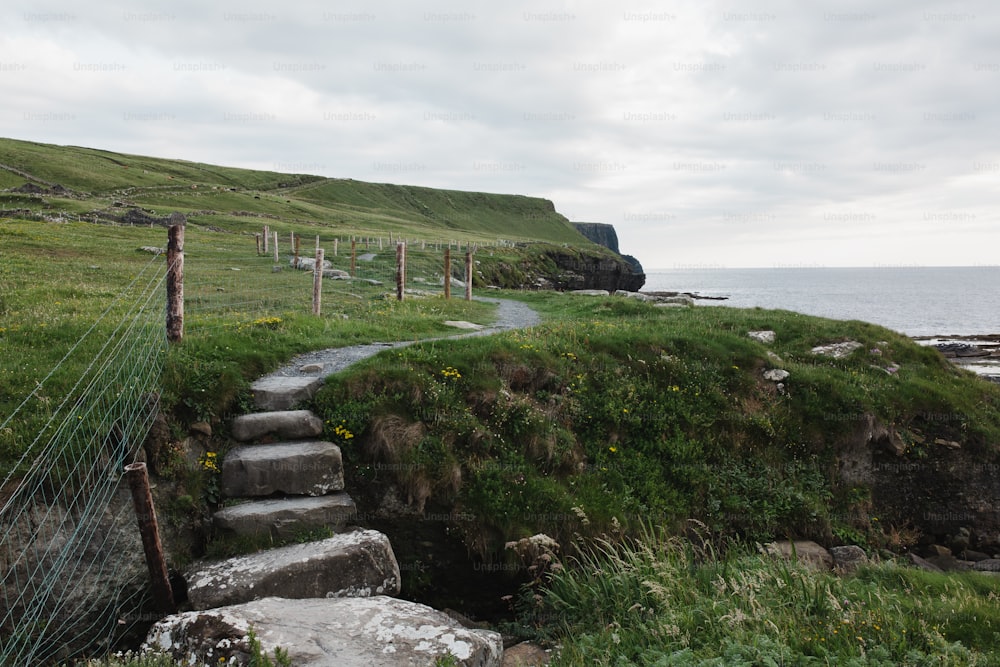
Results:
x,y
605,235
346,632
356,564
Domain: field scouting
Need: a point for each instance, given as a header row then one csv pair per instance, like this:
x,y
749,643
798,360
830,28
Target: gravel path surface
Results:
x,y
510,315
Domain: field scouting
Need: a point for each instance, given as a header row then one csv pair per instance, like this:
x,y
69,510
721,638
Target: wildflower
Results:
x,y
612,449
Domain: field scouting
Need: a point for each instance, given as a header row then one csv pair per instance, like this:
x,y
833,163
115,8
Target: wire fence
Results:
x,y
69,579
72,573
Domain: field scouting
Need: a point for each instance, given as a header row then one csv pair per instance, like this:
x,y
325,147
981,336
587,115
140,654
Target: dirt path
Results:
x,y
510,315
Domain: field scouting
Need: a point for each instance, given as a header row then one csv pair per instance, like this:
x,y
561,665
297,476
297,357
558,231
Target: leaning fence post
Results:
x,y
400,270
175,278
318,282
468,276
142,499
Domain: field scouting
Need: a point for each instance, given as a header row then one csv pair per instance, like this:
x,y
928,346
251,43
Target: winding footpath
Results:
x,y
510,315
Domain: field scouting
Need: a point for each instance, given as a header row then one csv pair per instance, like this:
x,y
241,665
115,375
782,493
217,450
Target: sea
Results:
x,y
915,301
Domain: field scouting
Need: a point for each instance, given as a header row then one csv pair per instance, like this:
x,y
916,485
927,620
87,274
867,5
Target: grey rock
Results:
x,y
275,392
309,263
679,300
922,564
346,632
847,559
202,428
974,556
987,565
336,274
765,337
837,350
774,357
288,424
310,468
634,295
284,517
355,564
366,257
525,654
804,551
776,375
591,292
312,368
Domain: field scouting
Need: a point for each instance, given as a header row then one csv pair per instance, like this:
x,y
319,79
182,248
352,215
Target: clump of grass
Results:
x,y
665,601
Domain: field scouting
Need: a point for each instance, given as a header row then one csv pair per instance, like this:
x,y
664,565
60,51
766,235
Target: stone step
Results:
x,y
360,563
282,393
283,517
306,468
285,425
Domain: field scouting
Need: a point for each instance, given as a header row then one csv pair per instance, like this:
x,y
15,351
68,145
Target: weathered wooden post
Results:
x,y
267,238
276,247
400,270
354,258
447,272
336,243
468,275
295,244
318,282
175,278
257,237
142,500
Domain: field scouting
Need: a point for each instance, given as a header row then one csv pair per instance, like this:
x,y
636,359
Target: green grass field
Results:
x,y
610,417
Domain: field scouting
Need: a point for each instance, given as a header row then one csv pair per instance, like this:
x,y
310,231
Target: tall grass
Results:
x,y
658,600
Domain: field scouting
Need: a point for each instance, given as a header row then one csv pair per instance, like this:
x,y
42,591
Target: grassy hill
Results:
x,y
97,180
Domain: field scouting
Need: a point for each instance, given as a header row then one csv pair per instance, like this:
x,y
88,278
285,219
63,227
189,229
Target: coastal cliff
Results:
x,y
604,234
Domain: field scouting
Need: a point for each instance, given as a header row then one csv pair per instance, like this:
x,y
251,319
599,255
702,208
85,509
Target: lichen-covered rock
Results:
x,y
340,632
356,564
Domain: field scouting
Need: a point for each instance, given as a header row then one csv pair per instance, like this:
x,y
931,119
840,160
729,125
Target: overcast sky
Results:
x,y
709,133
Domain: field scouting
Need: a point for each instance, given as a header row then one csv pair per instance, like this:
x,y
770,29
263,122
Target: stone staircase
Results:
x,y
329,602
291,482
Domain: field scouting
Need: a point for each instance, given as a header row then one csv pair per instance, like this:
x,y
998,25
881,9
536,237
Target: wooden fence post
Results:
x,y
400,270
276,248
354,258
257,237
142,500
336,242
267,238
295,244
447,272
175,279
318,282
468,276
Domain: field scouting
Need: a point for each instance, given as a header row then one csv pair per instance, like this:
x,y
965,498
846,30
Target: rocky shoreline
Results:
x,y
979,354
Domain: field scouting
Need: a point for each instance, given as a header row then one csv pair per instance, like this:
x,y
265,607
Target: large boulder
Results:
x,y
346,632
355,564
306,468
289,424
